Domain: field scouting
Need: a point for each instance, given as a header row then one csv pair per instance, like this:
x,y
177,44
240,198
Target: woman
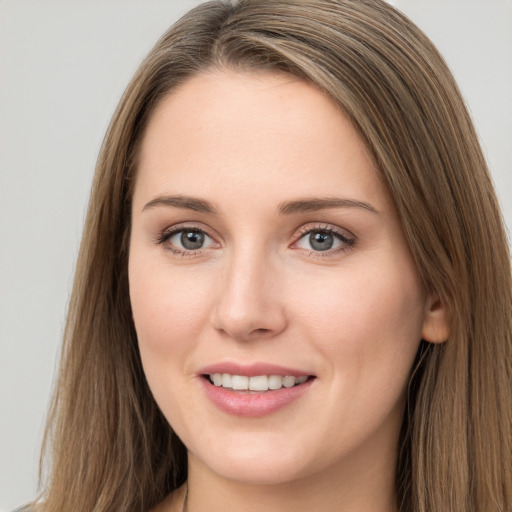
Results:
x,y
294,257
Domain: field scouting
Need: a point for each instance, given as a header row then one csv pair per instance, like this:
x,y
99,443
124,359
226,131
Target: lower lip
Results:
x,y
253,404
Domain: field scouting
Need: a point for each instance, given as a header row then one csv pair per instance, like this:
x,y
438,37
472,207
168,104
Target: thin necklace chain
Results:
x,y
185,499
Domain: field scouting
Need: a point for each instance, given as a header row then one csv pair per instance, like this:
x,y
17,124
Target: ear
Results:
x,y
436,322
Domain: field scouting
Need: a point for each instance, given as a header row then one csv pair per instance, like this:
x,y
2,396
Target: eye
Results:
x,y
323,239
186,240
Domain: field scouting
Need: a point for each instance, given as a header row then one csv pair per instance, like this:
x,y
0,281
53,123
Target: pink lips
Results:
x,y
252,404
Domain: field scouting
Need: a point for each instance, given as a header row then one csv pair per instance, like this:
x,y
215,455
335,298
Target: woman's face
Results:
x,y
266,251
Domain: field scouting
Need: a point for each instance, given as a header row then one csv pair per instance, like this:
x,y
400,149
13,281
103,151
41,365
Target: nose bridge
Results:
x,y
248,302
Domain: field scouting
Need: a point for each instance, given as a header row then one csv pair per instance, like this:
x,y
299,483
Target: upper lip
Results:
x,y
252,369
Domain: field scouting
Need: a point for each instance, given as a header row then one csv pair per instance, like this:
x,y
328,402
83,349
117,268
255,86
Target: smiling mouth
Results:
x,y
258,383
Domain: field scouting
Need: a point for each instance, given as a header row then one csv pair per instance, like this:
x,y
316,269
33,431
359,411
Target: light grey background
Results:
x,y
63,67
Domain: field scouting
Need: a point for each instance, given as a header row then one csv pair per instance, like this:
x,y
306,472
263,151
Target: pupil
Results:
x,y
321,241
192,240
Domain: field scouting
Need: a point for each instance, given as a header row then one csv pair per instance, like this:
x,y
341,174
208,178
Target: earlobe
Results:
x,y
436,323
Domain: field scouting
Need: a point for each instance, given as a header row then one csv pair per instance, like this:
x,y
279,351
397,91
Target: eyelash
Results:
x,y
168,233
347,242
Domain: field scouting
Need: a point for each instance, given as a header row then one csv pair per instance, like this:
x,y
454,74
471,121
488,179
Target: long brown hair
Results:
x,y
110,447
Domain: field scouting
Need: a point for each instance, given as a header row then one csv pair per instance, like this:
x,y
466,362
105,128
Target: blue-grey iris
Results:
x,y
321,240
192,240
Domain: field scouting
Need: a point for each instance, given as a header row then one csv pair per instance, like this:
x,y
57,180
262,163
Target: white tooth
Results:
x,y
226,380
217,379
301,380
289,381
240,382
275,382
259,383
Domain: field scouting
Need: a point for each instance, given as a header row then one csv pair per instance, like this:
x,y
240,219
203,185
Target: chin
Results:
x,y
258,464
261,472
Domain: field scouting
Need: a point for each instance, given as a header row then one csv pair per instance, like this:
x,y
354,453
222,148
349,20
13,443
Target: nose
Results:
x,y
250,305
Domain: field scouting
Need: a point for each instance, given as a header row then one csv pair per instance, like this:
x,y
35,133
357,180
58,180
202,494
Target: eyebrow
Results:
x,y
186,202
315,204
286,208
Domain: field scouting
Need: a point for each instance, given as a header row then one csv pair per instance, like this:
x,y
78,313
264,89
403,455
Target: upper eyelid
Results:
x,y
169,233
183,226
308,228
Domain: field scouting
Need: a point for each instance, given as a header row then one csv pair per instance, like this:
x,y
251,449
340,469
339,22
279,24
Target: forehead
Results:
x,y
253,130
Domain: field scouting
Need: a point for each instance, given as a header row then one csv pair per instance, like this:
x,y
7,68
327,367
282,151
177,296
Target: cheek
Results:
x,y
169,313
369,323
169,310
